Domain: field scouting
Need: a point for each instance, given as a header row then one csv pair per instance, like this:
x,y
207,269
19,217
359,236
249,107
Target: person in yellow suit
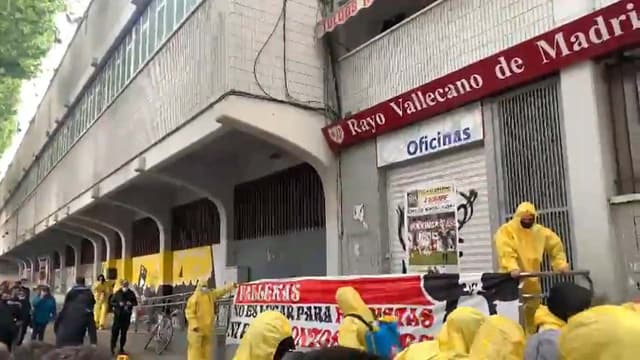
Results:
x,y
352,329
101,292
520,246
454,340
200,314
499,338
601,333
269,337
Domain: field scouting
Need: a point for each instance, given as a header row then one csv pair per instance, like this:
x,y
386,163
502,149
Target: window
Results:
x,y
151,12
123,67
170,17
161,28
107,84
129,54
98,94
180,10
117,71
191,4
91,103
83,114
144,37
136,48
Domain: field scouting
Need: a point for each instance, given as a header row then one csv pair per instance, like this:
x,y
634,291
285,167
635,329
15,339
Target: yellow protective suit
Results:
x,y
101,292
545,320
263,336
499,338
200,314
522,249
601,333
454,340
351,332
633,306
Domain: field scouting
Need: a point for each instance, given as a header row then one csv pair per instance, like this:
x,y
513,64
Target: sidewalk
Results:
x,y
135,345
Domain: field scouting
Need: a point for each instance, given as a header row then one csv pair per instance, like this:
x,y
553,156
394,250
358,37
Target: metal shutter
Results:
x,y
467,170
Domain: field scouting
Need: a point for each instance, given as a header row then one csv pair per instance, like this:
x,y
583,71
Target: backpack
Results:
x,y
383,337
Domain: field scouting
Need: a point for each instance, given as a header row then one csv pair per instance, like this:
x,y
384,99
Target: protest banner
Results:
x,y
432,229
420,302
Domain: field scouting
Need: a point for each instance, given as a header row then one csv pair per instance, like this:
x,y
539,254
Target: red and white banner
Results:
x,y
419,302
612,28
341,16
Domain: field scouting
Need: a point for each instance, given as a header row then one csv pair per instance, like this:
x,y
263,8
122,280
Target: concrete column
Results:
x,y
63,275
591,169
95,239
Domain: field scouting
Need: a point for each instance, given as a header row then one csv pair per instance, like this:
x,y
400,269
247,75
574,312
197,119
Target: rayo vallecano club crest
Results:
x,y
336,134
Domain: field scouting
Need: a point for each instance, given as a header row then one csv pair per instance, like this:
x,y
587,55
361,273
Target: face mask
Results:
x,y
526,225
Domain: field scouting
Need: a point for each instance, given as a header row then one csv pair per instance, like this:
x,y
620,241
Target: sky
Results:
x,y
34,90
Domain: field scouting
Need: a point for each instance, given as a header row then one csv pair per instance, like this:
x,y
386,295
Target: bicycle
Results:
x,y
161,323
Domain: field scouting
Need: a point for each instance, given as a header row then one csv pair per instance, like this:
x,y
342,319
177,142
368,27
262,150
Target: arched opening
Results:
x,y
69,256
103,251
195,227
87,255
146,237
275,215
117,254
145,251
56,260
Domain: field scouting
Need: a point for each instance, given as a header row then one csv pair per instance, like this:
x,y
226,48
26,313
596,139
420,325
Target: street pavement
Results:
x,y
135,345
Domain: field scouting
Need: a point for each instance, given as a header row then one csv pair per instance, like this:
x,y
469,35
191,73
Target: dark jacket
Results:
x,y
73,322
122,303
8,328
25,310
16,309
44,309
81,294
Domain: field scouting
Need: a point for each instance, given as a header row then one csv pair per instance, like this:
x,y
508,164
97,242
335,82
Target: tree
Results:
x,y
28,30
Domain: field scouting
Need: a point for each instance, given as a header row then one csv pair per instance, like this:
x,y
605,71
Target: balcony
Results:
x,y
443,36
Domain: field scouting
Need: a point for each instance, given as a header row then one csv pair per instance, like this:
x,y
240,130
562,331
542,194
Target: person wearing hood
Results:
x,y
357,319
454,340
520,245
269,337
604,332
101,292
499,338
200,314
74,322
44,311
564,301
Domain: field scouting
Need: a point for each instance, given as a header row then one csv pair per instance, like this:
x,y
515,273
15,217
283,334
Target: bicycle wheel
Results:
x,y
152,337
164,334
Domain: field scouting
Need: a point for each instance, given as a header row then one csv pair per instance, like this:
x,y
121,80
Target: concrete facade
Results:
x,y
171,129
445,37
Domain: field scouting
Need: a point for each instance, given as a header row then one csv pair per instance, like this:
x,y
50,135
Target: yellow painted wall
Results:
x,y
147,271
118,264
192,265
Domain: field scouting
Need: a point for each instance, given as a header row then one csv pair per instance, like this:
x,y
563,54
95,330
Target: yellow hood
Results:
x,y
461,329
525,208
263,337
499,338
350,302
633,306
601,333
426,350
545,320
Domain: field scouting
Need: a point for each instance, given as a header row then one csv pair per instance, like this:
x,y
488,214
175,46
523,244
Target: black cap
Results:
x,y
567,299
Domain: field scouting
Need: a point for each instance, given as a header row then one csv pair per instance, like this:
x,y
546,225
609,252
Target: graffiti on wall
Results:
x,y
466,202
189,267
192,266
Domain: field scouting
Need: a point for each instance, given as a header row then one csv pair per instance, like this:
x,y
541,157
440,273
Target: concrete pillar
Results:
x,y
590,152
62,252
95,239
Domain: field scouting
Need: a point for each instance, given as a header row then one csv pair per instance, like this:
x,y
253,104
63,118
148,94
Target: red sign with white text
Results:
x,y
341,16
609,29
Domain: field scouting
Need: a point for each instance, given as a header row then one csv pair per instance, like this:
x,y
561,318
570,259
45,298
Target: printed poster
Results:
x,y
419,302
431,226
43,271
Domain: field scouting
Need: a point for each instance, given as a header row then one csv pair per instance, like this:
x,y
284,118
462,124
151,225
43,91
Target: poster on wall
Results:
x,y
420,302
432,229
